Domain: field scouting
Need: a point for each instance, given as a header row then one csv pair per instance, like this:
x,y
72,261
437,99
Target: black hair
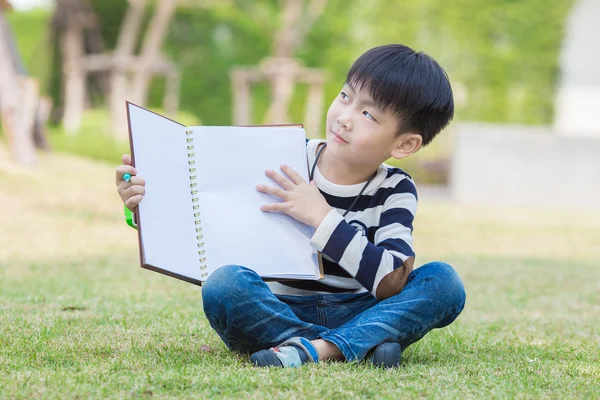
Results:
x,y
412,85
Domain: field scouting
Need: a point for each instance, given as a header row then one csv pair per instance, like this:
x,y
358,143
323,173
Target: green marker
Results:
x,y
126,177
129,217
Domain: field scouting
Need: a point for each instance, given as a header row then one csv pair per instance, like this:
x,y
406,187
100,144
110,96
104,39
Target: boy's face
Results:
x,y
358,132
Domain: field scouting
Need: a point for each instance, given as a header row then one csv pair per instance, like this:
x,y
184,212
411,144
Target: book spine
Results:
x,y
195,205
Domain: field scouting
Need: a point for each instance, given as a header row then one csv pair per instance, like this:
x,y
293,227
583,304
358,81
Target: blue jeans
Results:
x,y
248,317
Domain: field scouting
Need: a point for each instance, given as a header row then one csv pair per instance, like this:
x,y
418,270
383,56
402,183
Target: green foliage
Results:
x,y
501,56
205,45
503,53
110,13
31,32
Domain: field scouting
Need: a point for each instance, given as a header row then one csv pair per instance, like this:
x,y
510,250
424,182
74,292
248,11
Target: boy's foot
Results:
x,y
386,355
291,353
297,351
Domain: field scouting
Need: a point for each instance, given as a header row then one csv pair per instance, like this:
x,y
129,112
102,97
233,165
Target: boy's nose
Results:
x,y
344,122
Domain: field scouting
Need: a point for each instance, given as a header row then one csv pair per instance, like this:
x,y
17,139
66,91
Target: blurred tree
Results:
x,y
501,56
22,112
144,67
153,40
283,71
83,55
125,48
5,6
75,27
297,18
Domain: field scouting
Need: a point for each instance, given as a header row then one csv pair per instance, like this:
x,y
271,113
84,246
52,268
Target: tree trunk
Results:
x,y
282,84
295,25
119,85
14,103
282,89
171,99
72,45
157,31
285,38
42,116
242,98
24,143
314,111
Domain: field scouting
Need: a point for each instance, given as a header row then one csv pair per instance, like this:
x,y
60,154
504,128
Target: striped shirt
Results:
x,y
374,238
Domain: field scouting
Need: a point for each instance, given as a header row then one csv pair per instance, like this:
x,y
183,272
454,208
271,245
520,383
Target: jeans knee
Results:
x,y
222,283
449,284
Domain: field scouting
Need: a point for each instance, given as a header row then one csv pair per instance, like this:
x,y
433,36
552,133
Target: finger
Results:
x,y
279,179
292,174
133,202
274,207
273,191
126,158
124,169
134,190
135,181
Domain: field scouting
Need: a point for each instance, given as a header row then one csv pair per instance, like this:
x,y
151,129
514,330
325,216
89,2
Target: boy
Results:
x,y
372,304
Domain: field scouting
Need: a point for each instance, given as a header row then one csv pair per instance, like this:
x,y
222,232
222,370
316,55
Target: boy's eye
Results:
x,y
368,115
344,96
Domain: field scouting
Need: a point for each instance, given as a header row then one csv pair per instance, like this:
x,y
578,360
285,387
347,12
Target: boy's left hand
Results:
x,y
301,200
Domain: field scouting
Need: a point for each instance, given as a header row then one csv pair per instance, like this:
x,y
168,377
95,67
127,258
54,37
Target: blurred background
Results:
x,y
221,62
525,75
508,192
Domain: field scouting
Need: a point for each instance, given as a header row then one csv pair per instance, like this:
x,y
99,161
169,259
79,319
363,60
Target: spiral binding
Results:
x,y
196,207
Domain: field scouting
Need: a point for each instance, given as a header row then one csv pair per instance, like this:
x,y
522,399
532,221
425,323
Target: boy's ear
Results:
x,y
405,145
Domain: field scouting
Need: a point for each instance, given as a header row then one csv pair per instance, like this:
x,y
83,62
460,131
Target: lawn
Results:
x,y
80,319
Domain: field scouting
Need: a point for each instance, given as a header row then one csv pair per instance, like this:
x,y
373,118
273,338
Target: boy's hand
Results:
x,y
133,191
301,200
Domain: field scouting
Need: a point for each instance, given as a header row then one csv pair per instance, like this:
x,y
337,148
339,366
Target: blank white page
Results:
x,y
231,162
166,220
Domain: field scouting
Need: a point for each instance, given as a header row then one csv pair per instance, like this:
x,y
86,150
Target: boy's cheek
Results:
x,y
330,118
366,147
333,112
362,142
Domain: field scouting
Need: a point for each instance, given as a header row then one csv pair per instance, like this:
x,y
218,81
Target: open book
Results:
x,y
201,209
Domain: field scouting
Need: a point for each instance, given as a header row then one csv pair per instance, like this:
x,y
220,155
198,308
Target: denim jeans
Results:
x,y
248,317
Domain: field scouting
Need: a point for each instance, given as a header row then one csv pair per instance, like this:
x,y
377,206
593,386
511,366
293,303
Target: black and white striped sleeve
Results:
x,y
369,262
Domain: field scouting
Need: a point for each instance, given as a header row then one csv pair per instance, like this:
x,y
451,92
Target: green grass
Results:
x,y
102,328
79,319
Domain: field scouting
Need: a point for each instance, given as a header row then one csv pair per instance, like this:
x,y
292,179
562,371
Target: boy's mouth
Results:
x,y
338,137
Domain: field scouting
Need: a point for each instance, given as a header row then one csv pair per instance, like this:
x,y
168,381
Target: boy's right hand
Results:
x,y
131,192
